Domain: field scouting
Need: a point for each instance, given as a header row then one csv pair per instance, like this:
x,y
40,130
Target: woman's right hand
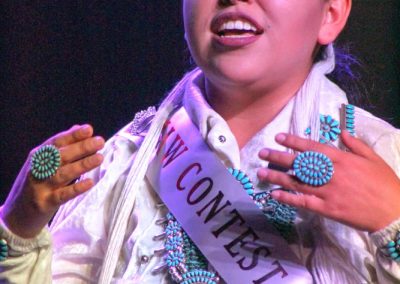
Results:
x,y
32,203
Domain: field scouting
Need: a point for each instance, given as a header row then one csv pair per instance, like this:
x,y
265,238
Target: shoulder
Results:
x,y
380,136
131,136
372,129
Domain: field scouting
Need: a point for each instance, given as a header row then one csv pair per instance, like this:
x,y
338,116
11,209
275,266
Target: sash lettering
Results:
x,y
217,214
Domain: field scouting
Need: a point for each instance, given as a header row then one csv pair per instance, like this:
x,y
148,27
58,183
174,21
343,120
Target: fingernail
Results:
x,y
262,173
85,128
87,182
98,141
280,137
263,153
96,159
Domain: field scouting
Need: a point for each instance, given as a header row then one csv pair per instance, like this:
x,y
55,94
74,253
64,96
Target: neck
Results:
x,y
247,111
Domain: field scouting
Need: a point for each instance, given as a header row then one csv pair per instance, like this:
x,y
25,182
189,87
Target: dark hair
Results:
x,y
348,75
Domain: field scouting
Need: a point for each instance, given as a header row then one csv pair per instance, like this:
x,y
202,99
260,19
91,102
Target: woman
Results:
x,y
258,78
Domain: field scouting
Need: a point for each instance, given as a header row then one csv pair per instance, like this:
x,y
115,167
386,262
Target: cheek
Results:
x,y
188,15
297,20
197,32
301,31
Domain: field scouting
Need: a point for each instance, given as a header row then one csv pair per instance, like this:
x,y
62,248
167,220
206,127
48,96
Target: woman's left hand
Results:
x,y
364,191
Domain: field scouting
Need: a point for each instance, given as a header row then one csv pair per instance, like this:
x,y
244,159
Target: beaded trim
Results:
x,y
348,113
243,179
280,215
186,264
3,250
142,120
393,248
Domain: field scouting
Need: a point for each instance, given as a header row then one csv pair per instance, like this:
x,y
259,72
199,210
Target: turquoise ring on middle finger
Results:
x,y
45,162
313,168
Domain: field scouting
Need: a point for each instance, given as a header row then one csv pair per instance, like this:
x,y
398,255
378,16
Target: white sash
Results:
x,y
218,215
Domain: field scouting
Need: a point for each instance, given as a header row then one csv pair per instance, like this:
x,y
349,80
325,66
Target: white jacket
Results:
x,y
74,251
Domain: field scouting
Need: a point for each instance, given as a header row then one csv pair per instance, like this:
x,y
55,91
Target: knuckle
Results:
x,y
313,146
56,141
63,155
74,127
295,184
290,139
276,177
90,144
83,146
76,135
61,197
87,163
61,176
77,188
273,154
302,201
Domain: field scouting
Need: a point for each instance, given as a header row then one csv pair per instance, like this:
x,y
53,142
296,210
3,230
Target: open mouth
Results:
x,y
237,28
235,25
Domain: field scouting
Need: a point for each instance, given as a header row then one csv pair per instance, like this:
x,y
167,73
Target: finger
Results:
x,y
357,146
62,195
81,149
73,135
70,172
300,144
309,202
287,182
283,159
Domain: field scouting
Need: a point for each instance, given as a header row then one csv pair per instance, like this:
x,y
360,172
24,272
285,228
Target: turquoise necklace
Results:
x,y
187,265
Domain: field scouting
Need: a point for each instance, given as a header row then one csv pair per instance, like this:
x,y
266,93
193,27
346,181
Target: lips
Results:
x,y
235,29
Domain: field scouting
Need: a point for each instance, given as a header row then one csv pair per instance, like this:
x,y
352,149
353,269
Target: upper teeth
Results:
x,y
237,25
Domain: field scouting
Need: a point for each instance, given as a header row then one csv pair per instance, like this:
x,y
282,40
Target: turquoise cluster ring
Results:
x,y
45,162
313,168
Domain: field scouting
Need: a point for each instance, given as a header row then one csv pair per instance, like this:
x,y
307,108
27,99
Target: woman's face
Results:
x,y
253,42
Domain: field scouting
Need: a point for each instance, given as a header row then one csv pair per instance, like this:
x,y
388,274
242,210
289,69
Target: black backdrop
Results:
x,y
68,62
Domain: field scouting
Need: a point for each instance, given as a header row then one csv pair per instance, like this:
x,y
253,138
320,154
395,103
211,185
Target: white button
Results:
x,y
144,259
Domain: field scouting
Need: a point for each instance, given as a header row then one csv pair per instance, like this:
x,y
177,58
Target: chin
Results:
x,y
240,74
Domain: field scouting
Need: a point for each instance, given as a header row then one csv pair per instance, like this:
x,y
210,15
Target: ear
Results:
x,y
336,15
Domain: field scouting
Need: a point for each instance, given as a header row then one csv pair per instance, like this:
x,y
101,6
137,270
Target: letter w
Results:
x,y
174,151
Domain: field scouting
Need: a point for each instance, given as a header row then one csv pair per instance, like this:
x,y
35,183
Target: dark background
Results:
x,y
98,62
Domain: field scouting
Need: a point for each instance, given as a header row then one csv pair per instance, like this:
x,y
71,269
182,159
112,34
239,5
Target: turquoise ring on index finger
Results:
x,y
45,162
313,168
